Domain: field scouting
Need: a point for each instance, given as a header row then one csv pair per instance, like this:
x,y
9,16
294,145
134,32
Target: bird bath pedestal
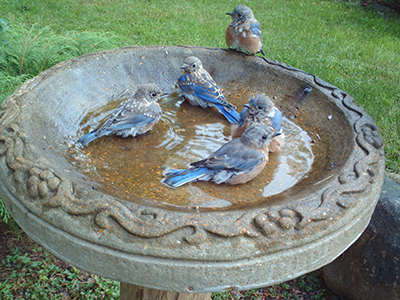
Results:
x,y
182,248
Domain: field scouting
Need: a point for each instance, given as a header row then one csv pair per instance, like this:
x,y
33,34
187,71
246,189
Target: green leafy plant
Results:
x,y
30,50
32,276
4,214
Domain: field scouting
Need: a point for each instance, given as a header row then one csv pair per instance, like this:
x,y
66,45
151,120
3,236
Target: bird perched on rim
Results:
x,y
260,109
236,162
133,117
200,89
244,32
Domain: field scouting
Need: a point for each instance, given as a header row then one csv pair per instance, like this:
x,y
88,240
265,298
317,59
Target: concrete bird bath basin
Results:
x,y
202,237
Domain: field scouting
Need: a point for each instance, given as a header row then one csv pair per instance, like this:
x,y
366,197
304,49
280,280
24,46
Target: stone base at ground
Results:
x,y
370,268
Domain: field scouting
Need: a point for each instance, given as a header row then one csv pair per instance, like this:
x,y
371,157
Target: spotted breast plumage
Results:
x,y
200,89
244,32
133,117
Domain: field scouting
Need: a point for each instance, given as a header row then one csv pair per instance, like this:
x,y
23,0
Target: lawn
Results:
x,y
355,49
352,48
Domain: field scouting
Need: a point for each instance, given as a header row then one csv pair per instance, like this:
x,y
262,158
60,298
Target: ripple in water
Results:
x,y
132,168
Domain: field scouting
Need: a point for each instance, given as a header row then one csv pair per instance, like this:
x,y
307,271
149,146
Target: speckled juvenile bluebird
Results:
x,y
244,32
236,162
200,89
133,117
261,110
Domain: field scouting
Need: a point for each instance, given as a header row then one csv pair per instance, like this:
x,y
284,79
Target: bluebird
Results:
x,y
200,89
236,162
133,117
244,32
261,110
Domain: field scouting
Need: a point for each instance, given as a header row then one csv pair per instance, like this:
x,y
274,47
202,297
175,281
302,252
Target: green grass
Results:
x,y
32,276
352,48
25,51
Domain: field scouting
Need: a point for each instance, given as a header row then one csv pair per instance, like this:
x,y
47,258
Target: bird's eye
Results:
x,y
154,94
264,137
240,15
260,107
194,65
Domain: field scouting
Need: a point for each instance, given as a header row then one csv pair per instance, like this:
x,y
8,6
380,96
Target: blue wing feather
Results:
x,y
242,116
231,114
91,136
207,92
232,156
118,123
137,121
276,120
211,93
176,178
255,29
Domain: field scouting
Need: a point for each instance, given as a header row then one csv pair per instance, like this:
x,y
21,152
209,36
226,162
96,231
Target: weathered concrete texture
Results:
x,y
370,268
184,249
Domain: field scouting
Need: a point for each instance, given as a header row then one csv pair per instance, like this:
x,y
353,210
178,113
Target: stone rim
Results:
x,y
49,194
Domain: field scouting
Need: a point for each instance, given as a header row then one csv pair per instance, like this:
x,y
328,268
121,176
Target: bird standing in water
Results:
x,y
236,162
200,89
260,109
133,117
244,32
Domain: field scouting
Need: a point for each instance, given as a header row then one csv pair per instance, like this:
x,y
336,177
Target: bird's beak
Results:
x,y
248,106
229,14
164,95
276,134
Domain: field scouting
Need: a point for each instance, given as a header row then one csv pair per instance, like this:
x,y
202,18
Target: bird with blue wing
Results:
x,y
236,162
199,88
260,109
244,32
133,117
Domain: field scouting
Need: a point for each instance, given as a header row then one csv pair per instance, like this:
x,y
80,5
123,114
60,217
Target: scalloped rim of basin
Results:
x,y
180,250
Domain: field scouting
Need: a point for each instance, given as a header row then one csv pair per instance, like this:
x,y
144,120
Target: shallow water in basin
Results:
x,y
132,168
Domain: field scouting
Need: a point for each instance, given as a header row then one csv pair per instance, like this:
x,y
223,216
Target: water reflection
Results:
x,y
294,161
207,139
132,168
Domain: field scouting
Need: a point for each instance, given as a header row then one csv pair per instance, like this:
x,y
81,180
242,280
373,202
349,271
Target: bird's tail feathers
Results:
x,y
174,172
87,138
91,136
232,115
177,178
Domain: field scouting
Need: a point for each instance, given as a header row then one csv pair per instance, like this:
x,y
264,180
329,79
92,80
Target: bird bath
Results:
x,y
201,237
